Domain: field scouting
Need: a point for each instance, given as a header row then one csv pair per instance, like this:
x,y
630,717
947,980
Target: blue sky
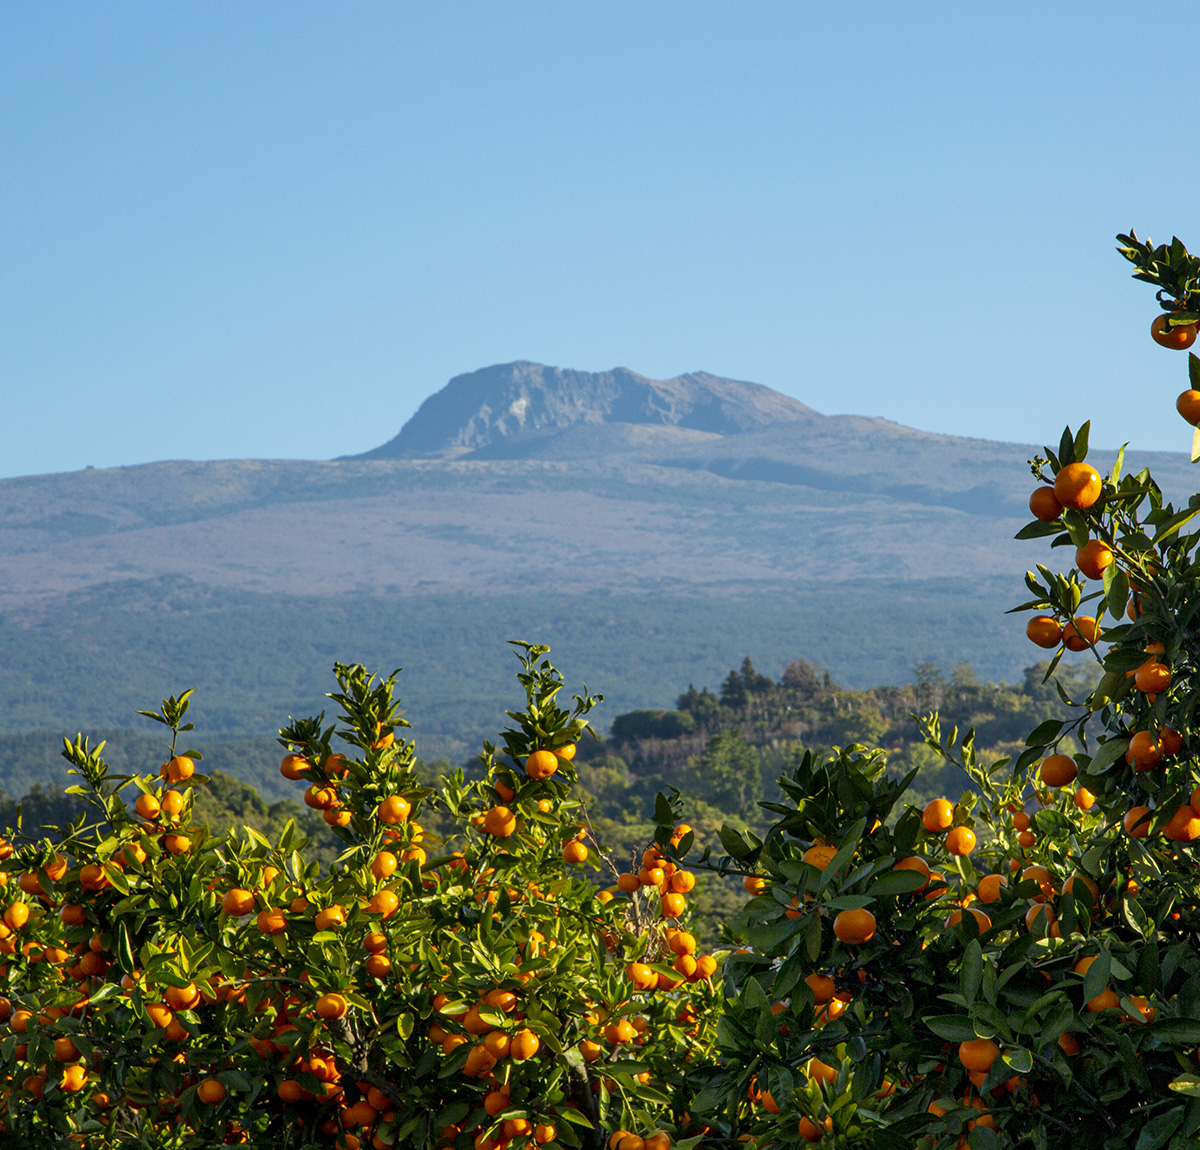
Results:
x,y
232,230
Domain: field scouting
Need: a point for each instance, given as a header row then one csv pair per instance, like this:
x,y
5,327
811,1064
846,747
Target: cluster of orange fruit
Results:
x,y
662,876
1178,337
500,821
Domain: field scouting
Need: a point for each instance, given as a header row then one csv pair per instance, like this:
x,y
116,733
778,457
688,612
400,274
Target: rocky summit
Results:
x,y
504,410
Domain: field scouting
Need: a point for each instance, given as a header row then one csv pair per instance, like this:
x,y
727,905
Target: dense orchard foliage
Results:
x,y
1015,969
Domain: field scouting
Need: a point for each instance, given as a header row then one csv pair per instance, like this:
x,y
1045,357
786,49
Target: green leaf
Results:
x,y
1044,733
983,1138
1018,1059
1096,978
1179,1031
971,971
1081,443
952,1027
1194,370
1037,529
1187,1083
896,882
1157,1132
1107,753
1116,590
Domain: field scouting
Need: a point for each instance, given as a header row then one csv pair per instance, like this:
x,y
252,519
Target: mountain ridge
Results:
x,y
524,400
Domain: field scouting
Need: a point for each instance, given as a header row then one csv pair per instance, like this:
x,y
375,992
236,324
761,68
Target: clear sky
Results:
x,y
272,229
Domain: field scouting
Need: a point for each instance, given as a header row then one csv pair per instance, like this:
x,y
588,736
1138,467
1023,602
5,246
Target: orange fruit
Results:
x,y
1085,882
574,852
1040,875
394,809
819,856
1184,825
17,915
384,902
811,1132
641,976
499,822
74,1078
1144,750
331,1006
1084,799
147,806
1188,405
938,816
1105,1000
293,767
1152,678
1081,634
271,921
1137,822
819,1070
1178,337
982,920
541,764
176,844
1044,631
378,965
989,887
672,904
384,864
854,927
525,1044
822,987
681,942
182,997
237,902
978,1054
754,884
1058,770
171,803
1078,486
180,768
211,1090
160,1014
960,841
1044,504
331,917
289,1090
1039,917
1171,741
628,882
683,882
915,863
1093,557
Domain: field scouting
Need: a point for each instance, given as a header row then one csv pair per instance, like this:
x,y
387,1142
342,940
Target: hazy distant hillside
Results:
x,y
661,530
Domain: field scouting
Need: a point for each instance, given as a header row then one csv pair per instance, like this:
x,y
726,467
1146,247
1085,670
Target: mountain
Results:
x,y
656,531
500,412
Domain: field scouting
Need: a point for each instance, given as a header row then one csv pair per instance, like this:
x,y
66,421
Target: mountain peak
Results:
x,y
511,403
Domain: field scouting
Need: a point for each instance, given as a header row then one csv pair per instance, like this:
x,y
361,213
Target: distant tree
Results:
x,y
963,675
928,681
804,678
703,705
652,725
728,774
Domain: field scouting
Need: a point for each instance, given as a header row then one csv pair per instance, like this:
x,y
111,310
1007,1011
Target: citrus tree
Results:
x,y
1018,968
163,988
